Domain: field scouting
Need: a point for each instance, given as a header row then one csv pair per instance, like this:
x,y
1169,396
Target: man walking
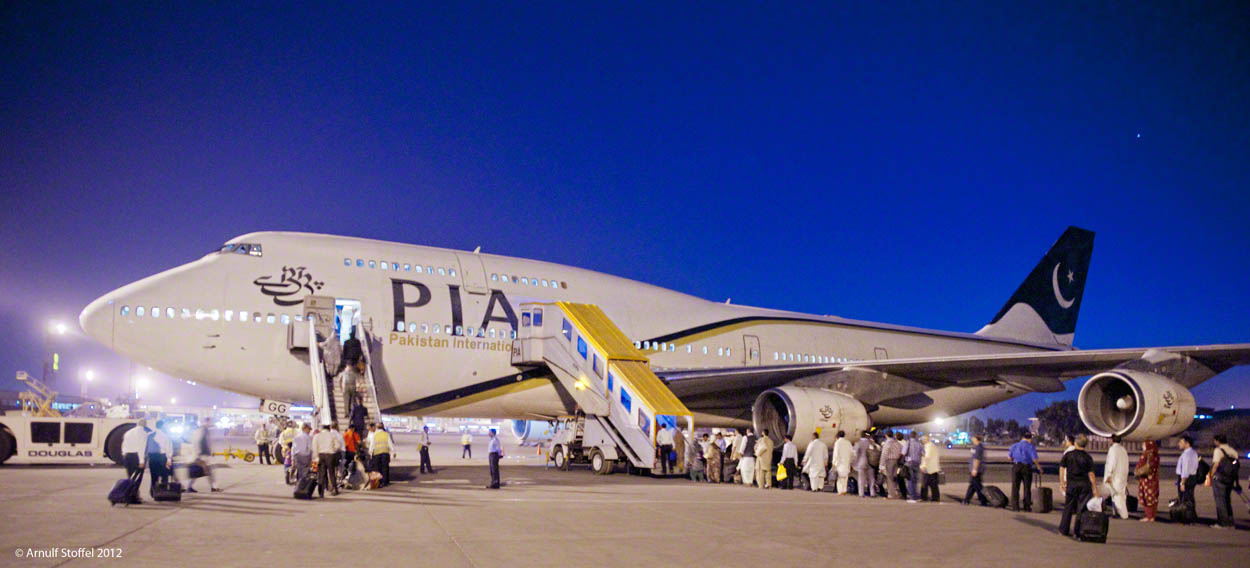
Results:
x,y
1115,476
426,467
1023,460
863,466
1222,479
1076,481
790,460
134,448
815,458
301,453
891,451
494,451
746,464
466,445
380,448
202,453
931,467
976,467
843,453
351,442
327,444
764,460
159,450
665,440
912,456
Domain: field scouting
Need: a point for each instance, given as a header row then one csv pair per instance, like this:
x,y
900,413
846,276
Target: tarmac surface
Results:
x,y
545,517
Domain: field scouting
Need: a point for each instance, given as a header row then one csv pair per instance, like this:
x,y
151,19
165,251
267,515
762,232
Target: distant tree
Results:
x,y
994,428
975,426
1059,419
1012,429
1237,429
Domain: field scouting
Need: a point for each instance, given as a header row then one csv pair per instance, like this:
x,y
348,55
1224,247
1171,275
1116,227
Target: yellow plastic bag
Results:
x,y
781,473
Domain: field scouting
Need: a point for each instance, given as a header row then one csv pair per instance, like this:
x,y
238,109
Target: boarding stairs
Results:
x,y
328,397
605,375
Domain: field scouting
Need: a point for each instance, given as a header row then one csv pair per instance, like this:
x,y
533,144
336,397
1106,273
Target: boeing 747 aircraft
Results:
x,y
441,324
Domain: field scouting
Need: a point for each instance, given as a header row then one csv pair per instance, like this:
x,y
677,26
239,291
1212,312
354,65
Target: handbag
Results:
x,y
781,472
1142,470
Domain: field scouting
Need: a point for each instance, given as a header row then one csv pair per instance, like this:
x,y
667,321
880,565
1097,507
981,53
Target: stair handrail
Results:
x,y
318,372
375,408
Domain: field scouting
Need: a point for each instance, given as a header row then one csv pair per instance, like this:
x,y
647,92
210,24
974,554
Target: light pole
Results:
x,y
53,327
87,377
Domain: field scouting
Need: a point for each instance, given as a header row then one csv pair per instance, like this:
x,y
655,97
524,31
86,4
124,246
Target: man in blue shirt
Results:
x,y
494,451
1023,462
1187,477
911,458
976,467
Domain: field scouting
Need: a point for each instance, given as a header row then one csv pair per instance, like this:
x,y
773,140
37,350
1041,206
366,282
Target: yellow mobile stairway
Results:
x,y
328,397
610,381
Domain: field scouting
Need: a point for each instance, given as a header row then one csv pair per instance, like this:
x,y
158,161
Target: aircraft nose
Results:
x,y
97,320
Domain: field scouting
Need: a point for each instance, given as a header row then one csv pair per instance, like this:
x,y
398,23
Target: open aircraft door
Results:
x,y
473,273
750,350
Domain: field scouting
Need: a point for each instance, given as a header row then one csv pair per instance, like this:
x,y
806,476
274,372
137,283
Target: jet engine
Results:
x,y
1136,405
531,432
801,411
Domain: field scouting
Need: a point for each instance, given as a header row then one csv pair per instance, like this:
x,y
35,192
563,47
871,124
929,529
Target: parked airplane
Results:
x,y
443,324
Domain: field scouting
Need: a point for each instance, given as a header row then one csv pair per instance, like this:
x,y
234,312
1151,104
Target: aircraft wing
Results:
x,y
876,381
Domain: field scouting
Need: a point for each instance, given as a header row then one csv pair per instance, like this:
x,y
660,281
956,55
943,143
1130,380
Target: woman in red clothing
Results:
x,y
1147,472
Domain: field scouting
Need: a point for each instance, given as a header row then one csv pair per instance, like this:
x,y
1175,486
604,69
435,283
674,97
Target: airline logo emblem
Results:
x,y
826,412
1069,278
287,288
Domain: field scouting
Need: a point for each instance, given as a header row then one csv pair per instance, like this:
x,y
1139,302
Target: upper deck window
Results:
x,y
241,248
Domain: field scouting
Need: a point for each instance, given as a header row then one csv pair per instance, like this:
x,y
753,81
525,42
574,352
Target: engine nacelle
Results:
x,y
801,411
532,431
1136,405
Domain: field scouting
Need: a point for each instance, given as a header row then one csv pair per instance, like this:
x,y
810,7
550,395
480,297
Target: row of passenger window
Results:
x,y
808,358
527,281
387,265
672,348
214,315
438,329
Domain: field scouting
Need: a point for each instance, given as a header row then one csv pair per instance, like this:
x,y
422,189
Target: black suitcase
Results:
x,y
168,492
1130,502
852,486
1179,512
1043,497
1093,526
995,496
304,489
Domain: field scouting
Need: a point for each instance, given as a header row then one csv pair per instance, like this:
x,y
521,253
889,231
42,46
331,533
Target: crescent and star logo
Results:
x,y
291,283
1064,303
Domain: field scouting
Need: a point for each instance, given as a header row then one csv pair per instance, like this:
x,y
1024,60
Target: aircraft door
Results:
x,y
880,353
473,273
750,350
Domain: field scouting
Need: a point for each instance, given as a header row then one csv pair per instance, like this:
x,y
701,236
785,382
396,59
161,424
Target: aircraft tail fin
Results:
x,y
1044,308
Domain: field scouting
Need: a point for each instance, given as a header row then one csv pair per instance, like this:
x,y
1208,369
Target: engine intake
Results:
x,y
1136,405
800,411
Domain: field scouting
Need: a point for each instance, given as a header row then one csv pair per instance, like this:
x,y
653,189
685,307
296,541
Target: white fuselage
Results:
x,y
428,370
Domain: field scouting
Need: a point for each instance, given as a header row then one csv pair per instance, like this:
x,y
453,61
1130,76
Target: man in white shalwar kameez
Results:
x,y
842,455
1115,476
814,459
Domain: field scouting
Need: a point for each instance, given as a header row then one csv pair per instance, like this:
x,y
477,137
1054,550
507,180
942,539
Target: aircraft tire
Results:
x,y
7,445
113,443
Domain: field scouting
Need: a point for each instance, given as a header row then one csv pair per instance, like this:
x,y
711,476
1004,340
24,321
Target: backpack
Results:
x,y
1228,470
874,455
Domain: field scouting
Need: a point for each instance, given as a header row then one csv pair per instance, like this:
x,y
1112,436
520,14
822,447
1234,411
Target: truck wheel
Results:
x,y
7,445
599,464
560,459
113,443
249,457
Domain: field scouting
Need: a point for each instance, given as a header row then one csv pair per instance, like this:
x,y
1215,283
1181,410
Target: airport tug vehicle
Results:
x,y
38,434
615,403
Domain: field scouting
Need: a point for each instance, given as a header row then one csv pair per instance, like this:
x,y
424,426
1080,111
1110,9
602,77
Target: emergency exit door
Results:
x,y
750,350
473,273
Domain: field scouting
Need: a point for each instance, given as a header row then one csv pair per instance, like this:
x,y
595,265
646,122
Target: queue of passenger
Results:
x,y
898,466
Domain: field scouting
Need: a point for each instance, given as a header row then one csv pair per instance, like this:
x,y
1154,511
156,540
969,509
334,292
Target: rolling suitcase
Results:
x,y
126,491
168,492
304,489
1043,497
1094,524
995,496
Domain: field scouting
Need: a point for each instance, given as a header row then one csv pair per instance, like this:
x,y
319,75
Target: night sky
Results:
x,y
906,163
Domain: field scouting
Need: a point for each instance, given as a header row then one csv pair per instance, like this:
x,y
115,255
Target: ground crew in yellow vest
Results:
x,y
380,449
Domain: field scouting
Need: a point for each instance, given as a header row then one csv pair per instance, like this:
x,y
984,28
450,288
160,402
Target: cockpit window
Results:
x,y
241,248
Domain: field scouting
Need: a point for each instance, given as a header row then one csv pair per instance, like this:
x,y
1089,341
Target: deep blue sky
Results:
x,y
897,162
